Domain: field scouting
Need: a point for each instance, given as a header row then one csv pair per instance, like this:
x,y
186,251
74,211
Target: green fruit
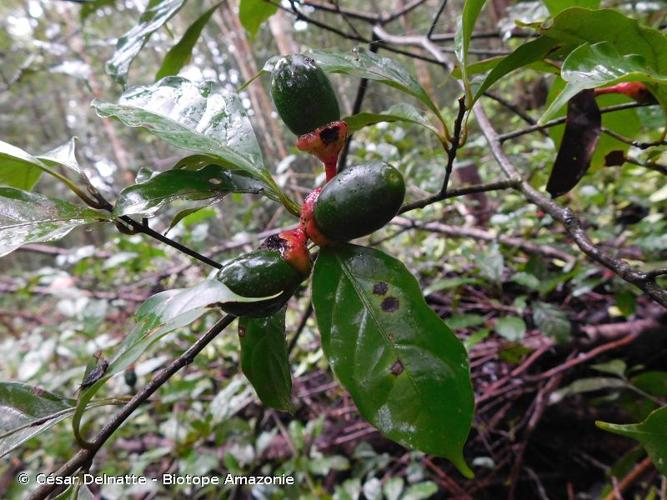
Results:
x,y
303,94
359,200
261,273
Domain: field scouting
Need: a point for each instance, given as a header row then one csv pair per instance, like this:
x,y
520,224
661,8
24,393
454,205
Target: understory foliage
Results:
x,y
504,334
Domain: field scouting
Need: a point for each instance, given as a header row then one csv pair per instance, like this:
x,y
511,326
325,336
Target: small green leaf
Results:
x,y
406,371
654,382
526,279
209,183
253,13
26,411
465,26
401,112
511,328
584,385
491,263
157,13
179,55
651,433
264,359
31,218
420,491
551,321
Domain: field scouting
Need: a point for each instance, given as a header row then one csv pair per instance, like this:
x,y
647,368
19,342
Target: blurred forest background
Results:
x,y
504,275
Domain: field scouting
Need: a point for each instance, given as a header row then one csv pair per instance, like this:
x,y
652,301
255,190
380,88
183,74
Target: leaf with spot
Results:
x,y
651,433
406,371
157,13
582,132
551,321
265,361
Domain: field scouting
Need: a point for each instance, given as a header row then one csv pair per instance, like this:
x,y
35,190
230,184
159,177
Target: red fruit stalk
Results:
x,y
635,90
308,219
325,143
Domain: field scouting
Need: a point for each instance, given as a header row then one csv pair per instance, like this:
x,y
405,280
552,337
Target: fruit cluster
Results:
x,y
356,202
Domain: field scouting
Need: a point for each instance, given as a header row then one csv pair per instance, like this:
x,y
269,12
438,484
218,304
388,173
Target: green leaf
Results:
x,y
179,55
211,182
157,13
253,13
18,168
491,263
551,321
464,29
601,64
420,491
31,218
362,63
557,6
651,433
526,54
401,112
406,371
204,118
156,317
511,328
26,411
264,359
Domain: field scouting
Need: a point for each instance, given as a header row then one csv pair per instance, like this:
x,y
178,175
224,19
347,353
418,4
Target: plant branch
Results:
x,y
85,456
462,191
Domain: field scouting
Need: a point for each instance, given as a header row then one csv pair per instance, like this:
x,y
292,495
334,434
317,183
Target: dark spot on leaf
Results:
x,y
95,374
241,331
380,288
397,368
390,304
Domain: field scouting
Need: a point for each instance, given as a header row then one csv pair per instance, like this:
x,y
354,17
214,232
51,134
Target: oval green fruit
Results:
x,y
359,200
261,273
303,95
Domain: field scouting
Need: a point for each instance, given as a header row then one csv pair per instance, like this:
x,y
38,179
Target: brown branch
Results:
x,y
480,234
632,476
632,142
85,456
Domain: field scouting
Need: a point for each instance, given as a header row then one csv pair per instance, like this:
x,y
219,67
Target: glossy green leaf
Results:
x,y
156,317
26,411
157,13
406,371
179,55
400,112
557,6
651,433
465,26
253,13
511,328
18,168
204,118
264,359
551,321
362,63
601,64
31,218
209,183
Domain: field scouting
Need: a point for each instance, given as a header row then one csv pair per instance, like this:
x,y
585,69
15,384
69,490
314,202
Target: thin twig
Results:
x,y
86,455
443,4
